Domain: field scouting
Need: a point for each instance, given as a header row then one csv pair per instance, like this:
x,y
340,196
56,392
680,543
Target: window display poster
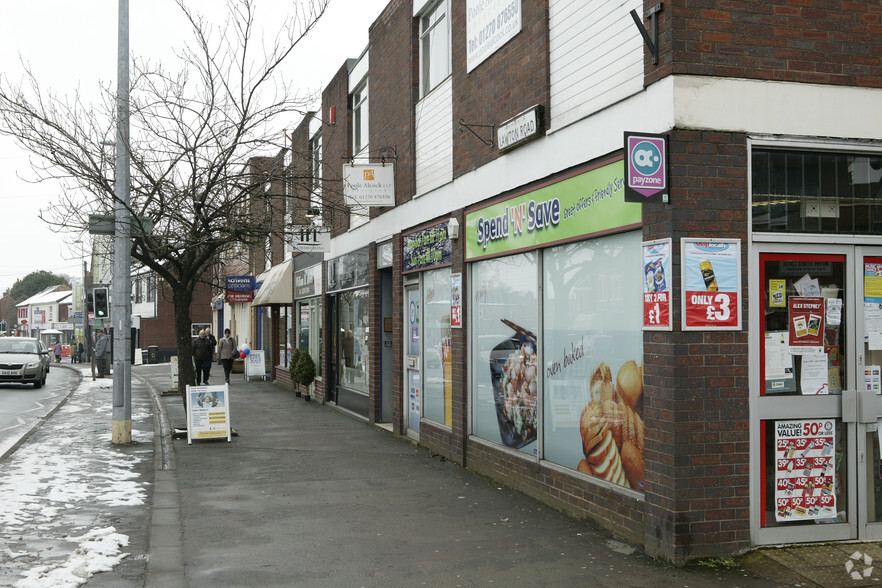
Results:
x,y
873,325
806,321
592,353
504,370
456,301
813,375
657,285
778,363
208,412
804,470
777,293
711,284
873,282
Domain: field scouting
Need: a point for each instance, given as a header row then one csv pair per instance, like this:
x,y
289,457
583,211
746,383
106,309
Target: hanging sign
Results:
x,y
208,412
657,285
711,281
309,239
369,184
806,321
239,288
804,470
646,167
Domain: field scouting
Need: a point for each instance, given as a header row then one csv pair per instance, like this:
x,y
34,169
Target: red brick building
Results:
x,y
667,364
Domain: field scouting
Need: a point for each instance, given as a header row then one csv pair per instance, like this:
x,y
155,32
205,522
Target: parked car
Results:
x,y
23,360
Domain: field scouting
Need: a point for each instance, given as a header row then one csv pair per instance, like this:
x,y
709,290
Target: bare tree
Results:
x,y
193,133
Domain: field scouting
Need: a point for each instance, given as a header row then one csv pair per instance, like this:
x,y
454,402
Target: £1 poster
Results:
x,y
657,285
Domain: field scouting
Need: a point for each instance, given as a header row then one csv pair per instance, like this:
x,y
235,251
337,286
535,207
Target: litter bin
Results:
x,y
152,354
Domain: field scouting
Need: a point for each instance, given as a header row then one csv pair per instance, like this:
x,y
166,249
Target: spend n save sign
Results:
x,y
711,284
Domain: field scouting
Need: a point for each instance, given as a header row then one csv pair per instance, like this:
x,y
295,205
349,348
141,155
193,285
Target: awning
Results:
x,y
277,286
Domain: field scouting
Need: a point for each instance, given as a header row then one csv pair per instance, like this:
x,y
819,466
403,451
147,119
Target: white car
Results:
x,y
23,360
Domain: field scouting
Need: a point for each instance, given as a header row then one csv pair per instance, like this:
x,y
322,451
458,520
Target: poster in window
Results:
x,y
711,281
805,470
806,324
657,285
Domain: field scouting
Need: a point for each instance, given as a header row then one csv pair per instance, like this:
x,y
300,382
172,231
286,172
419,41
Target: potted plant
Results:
x,y
304,371
292,366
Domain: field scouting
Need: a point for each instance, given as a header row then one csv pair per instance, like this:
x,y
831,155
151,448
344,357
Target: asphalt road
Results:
x,y
22,407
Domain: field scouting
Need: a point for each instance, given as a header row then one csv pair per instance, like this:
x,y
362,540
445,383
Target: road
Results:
x,y
22,407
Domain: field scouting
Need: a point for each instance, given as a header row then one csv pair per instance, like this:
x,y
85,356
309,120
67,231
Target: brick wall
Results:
x,y
336,147
508,82
160,331
393,92
814,41
696,399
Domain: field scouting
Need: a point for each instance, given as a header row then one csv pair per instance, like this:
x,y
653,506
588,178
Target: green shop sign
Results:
x,y
586,204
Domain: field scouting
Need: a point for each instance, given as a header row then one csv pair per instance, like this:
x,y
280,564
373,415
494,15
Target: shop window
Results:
x,y
309,317
808,192
505,320
353,339
437,358
434,46
592,347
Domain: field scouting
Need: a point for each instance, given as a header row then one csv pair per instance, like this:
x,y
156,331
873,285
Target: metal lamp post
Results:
x,y
121,286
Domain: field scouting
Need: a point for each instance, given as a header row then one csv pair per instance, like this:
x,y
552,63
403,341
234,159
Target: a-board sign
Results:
x,y
254,365
208,412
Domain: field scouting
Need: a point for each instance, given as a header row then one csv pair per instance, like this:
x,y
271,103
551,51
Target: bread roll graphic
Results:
x,y
606,462
601,384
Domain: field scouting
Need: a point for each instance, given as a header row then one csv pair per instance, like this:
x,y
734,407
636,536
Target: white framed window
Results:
x,y
360,118
434,46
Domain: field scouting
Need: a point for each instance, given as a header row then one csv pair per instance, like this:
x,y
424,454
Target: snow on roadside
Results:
x,y
58,492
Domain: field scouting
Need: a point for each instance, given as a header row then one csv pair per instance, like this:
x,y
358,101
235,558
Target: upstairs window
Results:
x,y
360,118
434,46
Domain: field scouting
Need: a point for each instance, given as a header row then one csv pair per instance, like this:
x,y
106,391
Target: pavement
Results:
x,y
307,495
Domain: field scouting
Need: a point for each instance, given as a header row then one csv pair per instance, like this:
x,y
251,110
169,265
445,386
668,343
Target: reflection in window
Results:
x,y
437,359
353,339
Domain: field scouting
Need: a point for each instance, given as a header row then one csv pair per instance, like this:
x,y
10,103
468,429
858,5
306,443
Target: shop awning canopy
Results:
x,y
277,287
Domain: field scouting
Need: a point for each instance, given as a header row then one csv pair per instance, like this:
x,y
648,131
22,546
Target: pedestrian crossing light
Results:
x,y
100,303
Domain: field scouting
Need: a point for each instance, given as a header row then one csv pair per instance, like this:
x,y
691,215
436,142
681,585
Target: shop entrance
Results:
x,y
816,354
413,392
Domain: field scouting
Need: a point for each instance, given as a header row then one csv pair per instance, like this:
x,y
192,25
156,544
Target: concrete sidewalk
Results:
x,y
309,496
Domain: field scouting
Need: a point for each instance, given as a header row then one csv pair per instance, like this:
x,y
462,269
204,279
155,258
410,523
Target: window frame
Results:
x,y
427,27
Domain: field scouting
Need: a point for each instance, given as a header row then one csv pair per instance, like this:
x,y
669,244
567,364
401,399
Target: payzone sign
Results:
x,y
646,167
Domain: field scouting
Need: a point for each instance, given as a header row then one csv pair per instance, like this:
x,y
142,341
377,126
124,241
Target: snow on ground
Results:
x,y
58,492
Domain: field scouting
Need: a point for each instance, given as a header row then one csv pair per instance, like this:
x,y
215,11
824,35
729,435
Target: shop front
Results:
x,y
308,313
349,345
272,305
816,352
428,288
555,332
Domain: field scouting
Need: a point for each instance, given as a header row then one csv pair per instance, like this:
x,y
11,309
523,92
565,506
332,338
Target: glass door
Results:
x,y
412,347
807,434
868,269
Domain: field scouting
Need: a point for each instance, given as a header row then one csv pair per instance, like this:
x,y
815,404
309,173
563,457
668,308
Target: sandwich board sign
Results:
x,y
254,365
208,413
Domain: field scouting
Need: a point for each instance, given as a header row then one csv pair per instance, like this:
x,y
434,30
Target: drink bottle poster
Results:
x,y
805,467
711,284
657,285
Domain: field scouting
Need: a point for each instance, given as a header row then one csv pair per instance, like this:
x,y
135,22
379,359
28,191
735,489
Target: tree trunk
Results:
x,y
186,372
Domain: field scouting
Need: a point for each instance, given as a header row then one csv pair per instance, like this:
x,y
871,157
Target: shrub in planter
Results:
x,y
304,371
292,365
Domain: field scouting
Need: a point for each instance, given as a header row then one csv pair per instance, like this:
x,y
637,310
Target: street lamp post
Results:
x,y
121,286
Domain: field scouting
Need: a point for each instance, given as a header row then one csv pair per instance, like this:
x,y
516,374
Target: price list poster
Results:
x,y
805,468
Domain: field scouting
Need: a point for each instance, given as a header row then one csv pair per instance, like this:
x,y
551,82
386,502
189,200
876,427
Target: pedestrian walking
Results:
x,y
213,341
101,353
202,356
57,349
80,352
227,352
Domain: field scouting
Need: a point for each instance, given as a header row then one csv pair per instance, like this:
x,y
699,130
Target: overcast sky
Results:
x,y
72,46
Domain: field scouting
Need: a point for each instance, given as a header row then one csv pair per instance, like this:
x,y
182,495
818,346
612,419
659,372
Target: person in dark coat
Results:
x,y
202,356
101,354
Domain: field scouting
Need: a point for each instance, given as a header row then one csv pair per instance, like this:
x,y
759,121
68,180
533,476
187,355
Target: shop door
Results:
x,y
819,405
413,392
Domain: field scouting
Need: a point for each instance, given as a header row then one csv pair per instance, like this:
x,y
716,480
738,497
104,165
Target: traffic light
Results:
x,y
101,303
